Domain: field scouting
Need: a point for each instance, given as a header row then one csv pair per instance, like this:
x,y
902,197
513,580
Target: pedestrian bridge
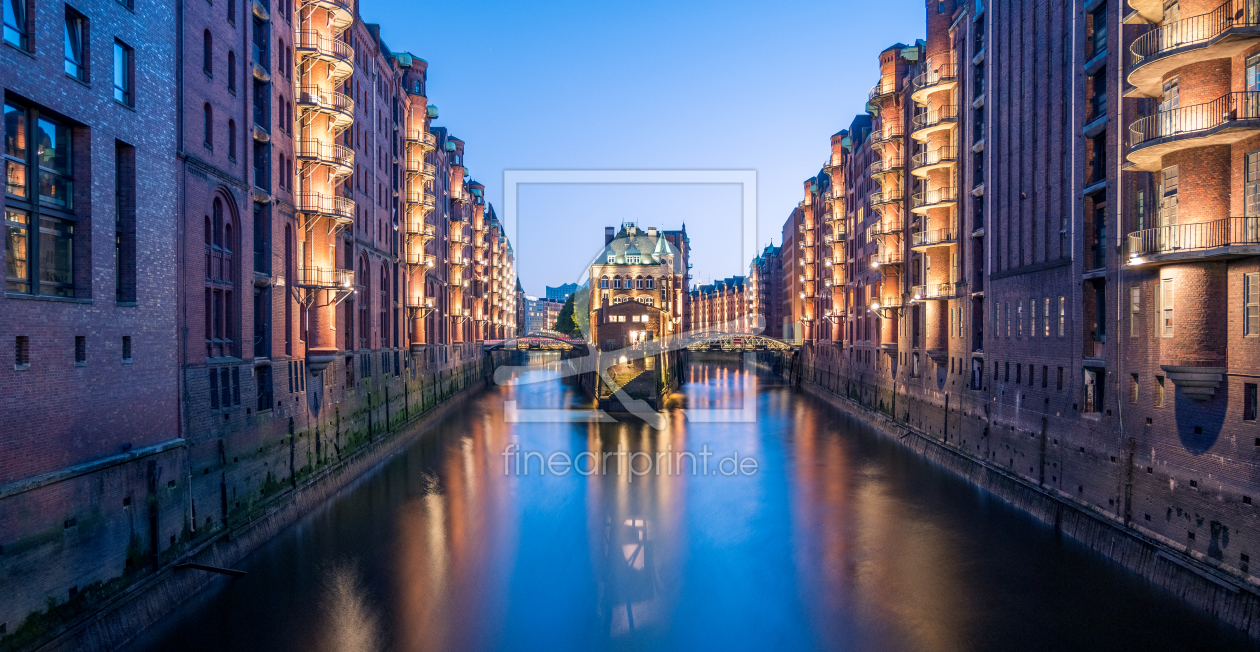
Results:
x,y
536,342
727,341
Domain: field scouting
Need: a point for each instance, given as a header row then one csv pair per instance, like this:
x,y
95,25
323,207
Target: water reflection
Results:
x,y
840,540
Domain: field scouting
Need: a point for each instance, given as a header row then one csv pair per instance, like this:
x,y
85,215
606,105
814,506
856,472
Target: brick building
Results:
x,y
721,305
1042,255
647,266
149,152
763,288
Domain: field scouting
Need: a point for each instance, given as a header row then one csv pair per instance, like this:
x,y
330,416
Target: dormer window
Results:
x,y
632,259
612,258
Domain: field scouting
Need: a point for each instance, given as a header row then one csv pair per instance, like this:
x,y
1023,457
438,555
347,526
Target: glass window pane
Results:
x,y
15,22
74,46
56,257
17,252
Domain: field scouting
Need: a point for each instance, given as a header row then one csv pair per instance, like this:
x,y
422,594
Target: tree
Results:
x,y
564,321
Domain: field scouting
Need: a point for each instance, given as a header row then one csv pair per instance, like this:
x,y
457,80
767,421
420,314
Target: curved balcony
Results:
x,y
1221,33
423,230
457,262
457,231
325,278
924,201
941,157
838,231
424,140
309,44
889,164
887,134
891,301
944,78
934,291
889,196
338,209
340,12
883,228
1222,121
934,120
418,168
461,196
420,200
932,238
421,259
337,106
882,90
1223,238
338,158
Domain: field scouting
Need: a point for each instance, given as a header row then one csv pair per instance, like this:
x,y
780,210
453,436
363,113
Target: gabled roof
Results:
x,y
633,241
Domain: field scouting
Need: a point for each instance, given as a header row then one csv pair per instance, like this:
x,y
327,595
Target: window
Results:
x,y
1098,37
1168,195
1249,402
207,53
1059,383
1045,376
220,282
232,139
1062,315
76,45
80,350
1166,307
124,223
1008,318
15,23
231,11
1133,388
232,72
1135,305
126,349
1045,316
1019,318
1159,391
1251,185
1251,304
22,352
261,39
43,199
208,125
123,73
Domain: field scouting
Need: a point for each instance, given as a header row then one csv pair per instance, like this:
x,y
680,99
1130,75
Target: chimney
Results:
x,y
608,234
651,231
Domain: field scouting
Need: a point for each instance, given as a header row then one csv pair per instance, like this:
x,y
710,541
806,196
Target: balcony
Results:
x,y
1221,33
939,158
337,106
338,209
424,140
419,258
882,90
1224,120
418,168
457,231
886,258
884,303
944,78
338,55
890,196
421,200
889,164
340,12
461,196
924,201
325,278
930,122
338,158
887,134
933,238
418,229
838,230
934,291
1223,238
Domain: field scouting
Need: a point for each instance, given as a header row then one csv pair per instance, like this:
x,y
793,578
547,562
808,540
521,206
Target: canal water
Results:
x,y
830,538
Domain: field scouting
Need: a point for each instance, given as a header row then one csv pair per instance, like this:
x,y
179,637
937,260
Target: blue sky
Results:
x,y
645,85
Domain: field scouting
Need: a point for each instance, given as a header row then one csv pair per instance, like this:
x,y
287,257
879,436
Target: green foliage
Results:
x,y
564,322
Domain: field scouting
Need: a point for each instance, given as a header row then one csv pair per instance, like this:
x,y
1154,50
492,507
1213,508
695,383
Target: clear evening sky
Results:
x,y
645,85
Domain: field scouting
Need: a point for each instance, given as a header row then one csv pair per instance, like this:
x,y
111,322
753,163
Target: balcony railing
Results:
x,y
331,154
342,10
421,258
932,197
328,49
325,278
933,237
422,229
887,257
338,104
888,163
886,196
425,171
882,89
943,154
886,134
420,199
1195,237
1188,120
934,291
340,208
943,73
1178,34
933,117
424,139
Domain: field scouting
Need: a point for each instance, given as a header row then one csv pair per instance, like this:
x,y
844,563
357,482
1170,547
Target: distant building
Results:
x,y
541,314
721,305
562,292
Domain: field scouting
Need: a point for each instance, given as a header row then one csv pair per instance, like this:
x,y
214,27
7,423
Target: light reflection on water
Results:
x,y
841,540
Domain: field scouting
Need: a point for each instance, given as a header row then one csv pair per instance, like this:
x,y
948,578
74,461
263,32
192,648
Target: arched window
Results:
x,y
221,313
207,53
649,283
232,71
603,282
617,282
619,299
208,125
290,271
366,282
383,327
232,139
638,282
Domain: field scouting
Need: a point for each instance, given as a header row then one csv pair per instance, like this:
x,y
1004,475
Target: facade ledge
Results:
x,y
1199,383
978,233
1091,274
1133,18
1095,126
262,279
978,103
978,59
1091,5
1096,63
1094,188
978,146
978,191
1090,361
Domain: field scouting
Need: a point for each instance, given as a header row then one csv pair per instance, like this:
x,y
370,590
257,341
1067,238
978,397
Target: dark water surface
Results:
x,y
839,540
